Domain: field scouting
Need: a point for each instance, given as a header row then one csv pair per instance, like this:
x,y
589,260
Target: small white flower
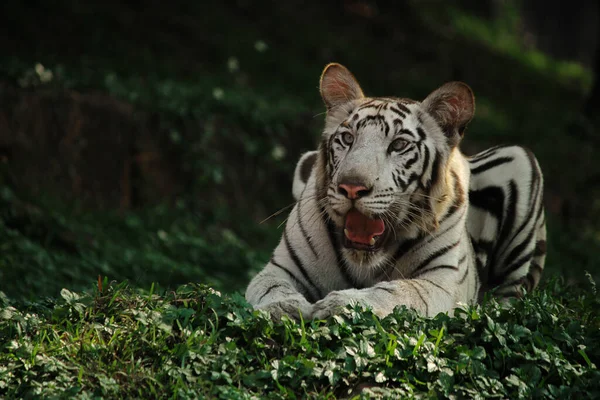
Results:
x,y
233,65
278,152
39,69
260,46
218,93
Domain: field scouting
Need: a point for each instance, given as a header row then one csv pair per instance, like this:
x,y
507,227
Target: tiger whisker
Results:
x,y
281,210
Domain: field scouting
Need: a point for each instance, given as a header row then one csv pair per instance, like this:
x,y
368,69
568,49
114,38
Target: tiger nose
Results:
x,y
353,192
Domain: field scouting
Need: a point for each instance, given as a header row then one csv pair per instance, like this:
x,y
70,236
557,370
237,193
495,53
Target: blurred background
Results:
x,y
147,140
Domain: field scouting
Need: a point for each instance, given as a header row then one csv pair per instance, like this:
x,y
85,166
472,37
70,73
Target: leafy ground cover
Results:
x,y
197,343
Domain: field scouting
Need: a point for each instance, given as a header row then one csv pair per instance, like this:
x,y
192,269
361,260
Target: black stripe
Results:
x,y
519,263
412,178
420,118
516,284
438,253
462,278
492,151
451,211
536,267
425,161
458,199
297,282
435,170
298,263
519,249
397,111
436,285
535,173
479,157
420,295
452,267
396,177
408,132
368,104
440,234
402,107
307,166
507,224
405,247
530,282
390,291
540,248
370,118
491,164
490,199
421,134
482,246
535,272
350,281
397,122
330,154
275,286
303,230
411,161
526,220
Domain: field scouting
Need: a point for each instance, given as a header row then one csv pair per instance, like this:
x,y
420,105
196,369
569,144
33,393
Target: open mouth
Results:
x,y
362,232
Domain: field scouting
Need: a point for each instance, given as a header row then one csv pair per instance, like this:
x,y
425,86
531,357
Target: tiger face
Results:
x,y
385,162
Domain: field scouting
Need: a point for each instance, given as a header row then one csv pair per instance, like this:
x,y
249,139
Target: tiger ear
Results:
x,y
452,106
338,86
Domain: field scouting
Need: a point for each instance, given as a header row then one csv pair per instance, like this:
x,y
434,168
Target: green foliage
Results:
x,y
195,342
47,248
503,35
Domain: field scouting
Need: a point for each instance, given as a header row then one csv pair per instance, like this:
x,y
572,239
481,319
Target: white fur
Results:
x,y
311,274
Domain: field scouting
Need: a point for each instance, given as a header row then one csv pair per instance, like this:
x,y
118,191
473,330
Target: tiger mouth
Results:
x,y
363,233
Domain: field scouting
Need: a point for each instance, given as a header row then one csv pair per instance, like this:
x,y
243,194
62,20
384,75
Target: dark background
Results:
x,y
147,140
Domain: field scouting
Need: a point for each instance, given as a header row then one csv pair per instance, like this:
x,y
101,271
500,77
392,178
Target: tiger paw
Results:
x,y
334,303
293,308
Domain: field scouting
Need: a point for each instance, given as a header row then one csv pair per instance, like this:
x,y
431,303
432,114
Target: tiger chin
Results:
x,y
389,212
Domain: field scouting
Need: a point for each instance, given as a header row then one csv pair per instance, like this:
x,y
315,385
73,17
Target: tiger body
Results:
x,y
389,212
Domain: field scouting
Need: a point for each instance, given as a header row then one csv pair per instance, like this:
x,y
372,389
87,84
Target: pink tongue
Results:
x,y
361,229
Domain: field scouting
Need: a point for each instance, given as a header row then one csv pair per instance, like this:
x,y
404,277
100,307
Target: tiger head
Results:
x,y
385,163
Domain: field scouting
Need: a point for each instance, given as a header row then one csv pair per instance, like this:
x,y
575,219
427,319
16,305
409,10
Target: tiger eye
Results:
x,y
398,145
347,138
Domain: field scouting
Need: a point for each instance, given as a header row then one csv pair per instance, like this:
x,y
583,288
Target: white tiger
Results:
x,y
389,212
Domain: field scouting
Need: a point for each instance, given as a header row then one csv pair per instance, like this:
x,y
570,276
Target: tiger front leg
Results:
x,y
277,294
425,296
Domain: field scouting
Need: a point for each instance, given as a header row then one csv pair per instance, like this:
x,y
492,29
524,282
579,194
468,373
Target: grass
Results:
x,y
46,247
197,343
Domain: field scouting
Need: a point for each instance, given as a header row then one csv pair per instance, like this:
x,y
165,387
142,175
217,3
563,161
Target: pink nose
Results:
x,y
353,191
